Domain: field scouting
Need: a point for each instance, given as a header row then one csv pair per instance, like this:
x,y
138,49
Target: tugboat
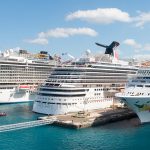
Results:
x,y
2,114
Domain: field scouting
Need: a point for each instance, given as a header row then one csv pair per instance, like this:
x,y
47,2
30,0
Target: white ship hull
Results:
x,y
56,107
15,96
139,104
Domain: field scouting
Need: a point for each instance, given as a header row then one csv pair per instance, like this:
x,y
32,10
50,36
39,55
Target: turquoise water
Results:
x,y
116,136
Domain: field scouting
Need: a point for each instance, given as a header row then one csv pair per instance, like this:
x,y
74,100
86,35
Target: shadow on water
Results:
x,y
124,124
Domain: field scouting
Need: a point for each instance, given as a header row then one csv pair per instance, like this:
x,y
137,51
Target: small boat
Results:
x,y
2,114
24,87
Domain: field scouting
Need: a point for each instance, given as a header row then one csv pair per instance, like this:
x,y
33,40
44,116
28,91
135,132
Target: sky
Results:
x,y
73,26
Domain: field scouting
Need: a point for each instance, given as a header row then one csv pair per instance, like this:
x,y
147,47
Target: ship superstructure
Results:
x,y
20,74
87,84
137,94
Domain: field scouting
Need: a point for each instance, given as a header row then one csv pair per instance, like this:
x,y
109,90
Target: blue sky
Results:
x,y
74,26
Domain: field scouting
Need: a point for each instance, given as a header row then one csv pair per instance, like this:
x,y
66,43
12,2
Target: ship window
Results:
x,y
134,80
84,85
64,104
139,85
147,85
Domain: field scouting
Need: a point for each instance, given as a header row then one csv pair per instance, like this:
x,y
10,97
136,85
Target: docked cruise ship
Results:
x,y
137,94
87,84
20,74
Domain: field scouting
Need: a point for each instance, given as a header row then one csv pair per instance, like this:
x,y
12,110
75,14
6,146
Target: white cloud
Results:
x,y
142,19
147,47
110,15
133,43
137,47
66,32
100,15
41,41
61,33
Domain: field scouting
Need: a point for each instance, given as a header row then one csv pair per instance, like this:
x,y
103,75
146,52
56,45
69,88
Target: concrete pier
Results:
x,y
92,118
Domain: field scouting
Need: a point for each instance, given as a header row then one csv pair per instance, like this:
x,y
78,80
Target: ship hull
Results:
x,y
56,107
8,96
140,105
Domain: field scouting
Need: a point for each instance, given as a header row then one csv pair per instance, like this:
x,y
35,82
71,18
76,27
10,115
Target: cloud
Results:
x,y
137,47
132,43
66,32
100,15
147,47
142,19
41,41
61,33
109,15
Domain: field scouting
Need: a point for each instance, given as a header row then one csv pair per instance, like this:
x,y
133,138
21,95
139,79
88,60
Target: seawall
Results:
x,y
92,118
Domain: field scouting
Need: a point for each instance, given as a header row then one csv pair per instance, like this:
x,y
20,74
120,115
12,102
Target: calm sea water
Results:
x,y
116,136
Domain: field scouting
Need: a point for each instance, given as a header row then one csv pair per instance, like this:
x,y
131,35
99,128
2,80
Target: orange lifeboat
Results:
x,y
24,87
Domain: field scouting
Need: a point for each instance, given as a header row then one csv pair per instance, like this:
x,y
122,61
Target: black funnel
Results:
x,y
109,49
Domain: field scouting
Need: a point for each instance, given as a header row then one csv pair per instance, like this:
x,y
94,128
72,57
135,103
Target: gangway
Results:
x,y
24,125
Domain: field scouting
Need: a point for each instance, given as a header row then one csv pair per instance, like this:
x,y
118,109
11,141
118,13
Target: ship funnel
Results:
x,y
109,49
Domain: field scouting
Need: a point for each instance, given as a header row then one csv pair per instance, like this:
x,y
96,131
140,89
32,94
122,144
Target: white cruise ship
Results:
x,y
137,94
87,84
20,74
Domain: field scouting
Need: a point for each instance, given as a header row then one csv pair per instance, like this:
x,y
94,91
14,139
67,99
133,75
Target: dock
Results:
x,y
23,125
92,118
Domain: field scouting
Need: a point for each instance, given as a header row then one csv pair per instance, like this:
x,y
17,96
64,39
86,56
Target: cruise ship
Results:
x,y
20,74
87,84
137,94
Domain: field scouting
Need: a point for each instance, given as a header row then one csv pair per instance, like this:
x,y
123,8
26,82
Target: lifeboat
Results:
x,y
25,87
